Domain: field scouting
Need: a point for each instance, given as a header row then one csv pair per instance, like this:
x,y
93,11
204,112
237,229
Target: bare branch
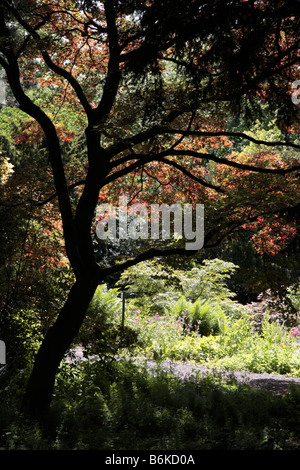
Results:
x,y
129,142
54,195
149,254
113,72
142,160
190,175
225,161
141,137
242,135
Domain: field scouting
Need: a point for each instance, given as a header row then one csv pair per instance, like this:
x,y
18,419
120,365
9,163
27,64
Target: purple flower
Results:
x,y
295,331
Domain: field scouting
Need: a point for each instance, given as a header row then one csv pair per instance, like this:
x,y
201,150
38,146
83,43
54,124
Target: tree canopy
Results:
x,y
165,101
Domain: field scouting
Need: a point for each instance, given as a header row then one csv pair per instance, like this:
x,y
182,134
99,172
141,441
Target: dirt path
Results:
x,y
278,384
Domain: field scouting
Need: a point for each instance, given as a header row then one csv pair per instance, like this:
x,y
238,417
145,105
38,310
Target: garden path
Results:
x,y
278,384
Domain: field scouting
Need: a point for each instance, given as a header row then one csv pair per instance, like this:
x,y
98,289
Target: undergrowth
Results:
x,y
120,406
108,402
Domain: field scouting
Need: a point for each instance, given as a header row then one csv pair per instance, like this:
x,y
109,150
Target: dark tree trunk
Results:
x,y
56,343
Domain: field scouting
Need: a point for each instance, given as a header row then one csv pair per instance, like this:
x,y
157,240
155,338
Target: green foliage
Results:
x,y
11,119
239,347
202,317
23,332
125,407
225,342
199,320
152,284
106,303
209,280
102,332
156,334
293,294
117,405
155,287
28,312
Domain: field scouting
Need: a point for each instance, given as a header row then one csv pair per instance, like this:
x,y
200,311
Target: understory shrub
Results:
x,y
199,320
237,346
156,334
124,407
102,332
202,317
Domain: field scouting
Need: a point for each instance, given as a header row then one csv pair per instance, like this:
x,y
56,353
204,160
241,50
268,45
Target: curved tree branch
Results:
x,y
190,175
142,160
113,72
55,68
225,161
54,151
156,252
242,135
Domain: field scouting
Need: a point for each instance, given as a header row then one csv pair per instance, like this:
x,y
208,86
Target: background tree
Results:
x,y
155,84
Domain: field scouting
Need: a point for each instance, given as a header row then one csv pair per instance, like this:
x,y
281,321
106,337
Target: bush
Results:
x,y
201,317
151,286
124,407
102,332
209,281
155,287
293,292
23,334
235,346
272,351
156,333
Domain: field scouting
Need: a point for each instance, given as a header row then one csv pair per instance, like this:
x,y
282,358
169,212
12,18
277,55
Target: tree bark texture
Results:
x,y
41,383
